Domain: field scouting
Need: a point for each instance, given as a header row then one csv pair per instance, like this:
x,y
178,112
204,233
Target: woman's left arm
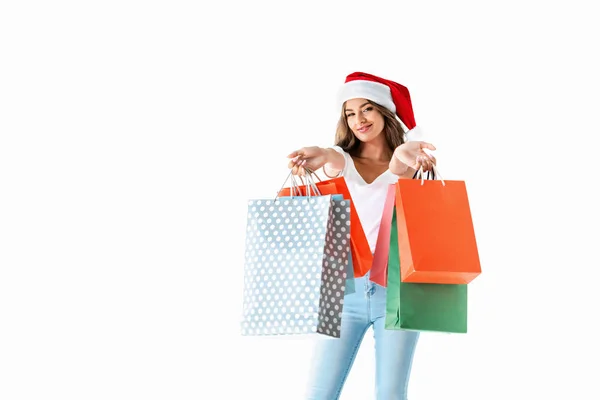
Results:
x,y
402,170
409,157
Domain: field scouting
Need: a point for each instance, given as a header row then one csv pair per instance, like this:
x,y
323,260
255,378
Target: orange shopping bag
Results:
x,y
362,258
436,238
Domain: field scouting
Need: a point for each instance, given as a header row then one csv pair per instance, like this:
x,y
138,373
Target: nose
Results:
x,y
360,116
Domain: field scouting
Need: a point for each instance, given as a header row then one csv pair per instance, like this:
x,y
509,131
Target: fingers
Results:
x,y
300,152
297,165
298,171
429,146
426,162
296,160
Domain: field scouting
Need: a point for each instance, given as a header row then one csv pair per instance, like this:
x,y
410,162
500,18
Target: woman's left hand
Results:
x,y
413,154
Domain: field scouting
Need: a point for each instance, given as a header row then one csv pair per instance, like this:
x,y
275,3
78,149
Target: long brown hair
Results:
x,y
393,131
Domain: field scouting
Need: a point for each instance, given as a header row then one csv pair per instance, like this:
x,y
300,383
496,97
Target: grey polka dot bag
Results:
x,y
296,259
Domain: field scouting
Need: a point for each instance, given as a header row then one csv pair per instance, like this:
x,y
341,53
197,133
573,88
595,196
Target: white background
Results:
x,y
134,132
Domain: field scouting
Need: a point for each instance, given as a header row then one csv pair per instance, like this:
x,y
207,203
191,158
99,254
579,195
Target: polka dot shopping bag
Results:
x,y
296,260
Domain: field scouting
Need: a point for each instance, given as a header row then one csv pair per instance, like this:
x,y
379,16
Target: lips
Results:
x,y
363,128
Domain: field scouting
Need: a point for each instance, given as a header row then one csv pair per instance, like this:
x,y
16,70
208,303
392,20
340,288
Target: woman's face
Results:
x,y
365,121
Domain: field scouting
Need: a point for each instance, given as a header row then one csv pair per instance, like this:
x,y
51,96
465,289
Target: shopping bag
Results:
x,y
324,188
350,284
422,306
328,188
296,257
362,258
380,258
436,237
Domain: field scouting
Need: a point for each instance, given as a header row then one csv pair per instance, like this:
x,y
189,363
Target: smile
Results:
x,y
364,128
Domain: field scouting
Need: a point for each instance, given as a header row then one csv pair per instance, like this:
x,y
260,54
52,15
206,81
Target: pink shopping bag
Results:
x,y
382,247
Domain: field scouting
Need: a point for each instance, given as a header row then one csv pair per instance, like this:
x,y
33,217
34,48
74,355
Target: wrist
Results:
x,y
398,167
333,162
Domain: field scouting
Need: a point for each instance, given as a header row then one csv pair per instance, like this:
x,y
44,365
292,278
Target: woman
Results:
x,y
370,153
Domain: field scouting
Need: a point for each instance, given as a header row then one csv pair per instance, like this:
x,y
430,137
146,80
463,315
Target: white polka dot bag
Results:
x,y
296,261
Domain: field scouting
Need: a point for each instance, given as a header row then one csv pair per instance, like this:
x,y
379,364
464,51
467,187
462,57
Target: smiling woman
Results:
x,y
367,120
370,152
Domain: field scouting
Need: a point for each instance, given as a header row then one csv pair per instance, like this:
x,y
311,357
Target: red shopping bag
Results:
x,y
436,238
380,258
362,258
329,188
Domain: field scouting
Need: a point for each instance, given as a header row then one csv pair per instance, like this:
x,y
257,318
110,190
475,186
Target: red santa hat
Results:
x,y
384,92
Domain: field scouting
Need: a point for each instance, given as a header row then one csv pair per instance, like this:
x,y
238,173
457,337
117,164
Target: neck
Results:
x,y
375,150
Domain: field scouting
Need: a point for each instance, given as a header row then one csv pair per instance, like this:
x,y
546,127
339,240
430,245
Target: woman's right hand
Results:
x,y
311,158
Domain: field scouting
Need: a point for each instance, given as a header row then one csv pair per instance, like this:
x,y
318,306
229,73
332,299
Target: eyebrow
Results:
x,y
349,109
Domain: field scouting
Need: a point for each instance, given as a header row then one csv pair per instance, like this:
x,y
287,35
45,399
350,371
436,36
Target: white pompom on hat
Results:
x,y
384,92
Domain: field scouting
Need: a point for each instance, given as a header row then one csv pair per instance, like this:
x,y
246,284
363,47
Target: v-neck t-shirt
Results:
x,y
368,198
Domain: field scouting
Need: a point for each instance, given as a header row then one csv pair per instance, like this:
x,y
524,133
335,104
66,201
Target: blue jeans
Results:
x,y
394,349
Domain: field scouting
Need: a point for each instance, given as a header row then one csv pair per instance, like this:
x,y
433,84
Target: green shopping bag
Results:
x,y
422,306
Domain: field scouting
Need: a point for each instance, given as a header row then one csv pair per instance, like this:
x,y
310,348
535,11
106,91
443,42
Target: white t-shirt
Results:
x,y
368,199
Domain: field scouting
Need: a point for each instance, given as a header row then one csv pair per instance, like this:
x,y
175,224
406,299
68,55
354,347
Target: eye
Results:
x,y
349,115
368,109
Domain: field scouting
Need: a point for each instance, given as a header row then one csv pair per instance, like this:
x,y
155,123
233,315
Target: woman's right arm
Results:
x,y
315,157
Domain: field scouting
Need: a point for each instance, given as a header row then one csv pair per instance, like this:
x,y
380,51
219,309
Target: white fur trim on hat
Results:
x,y
374,91
415,135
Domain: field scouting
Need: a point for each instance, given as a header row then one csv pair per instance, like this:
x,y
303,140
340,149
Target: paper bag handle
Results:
x,y
420,174
311,186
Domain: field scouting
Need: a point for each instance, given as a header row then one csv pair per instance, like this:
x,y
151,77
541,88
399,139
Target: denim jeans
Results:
x,y
394,349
